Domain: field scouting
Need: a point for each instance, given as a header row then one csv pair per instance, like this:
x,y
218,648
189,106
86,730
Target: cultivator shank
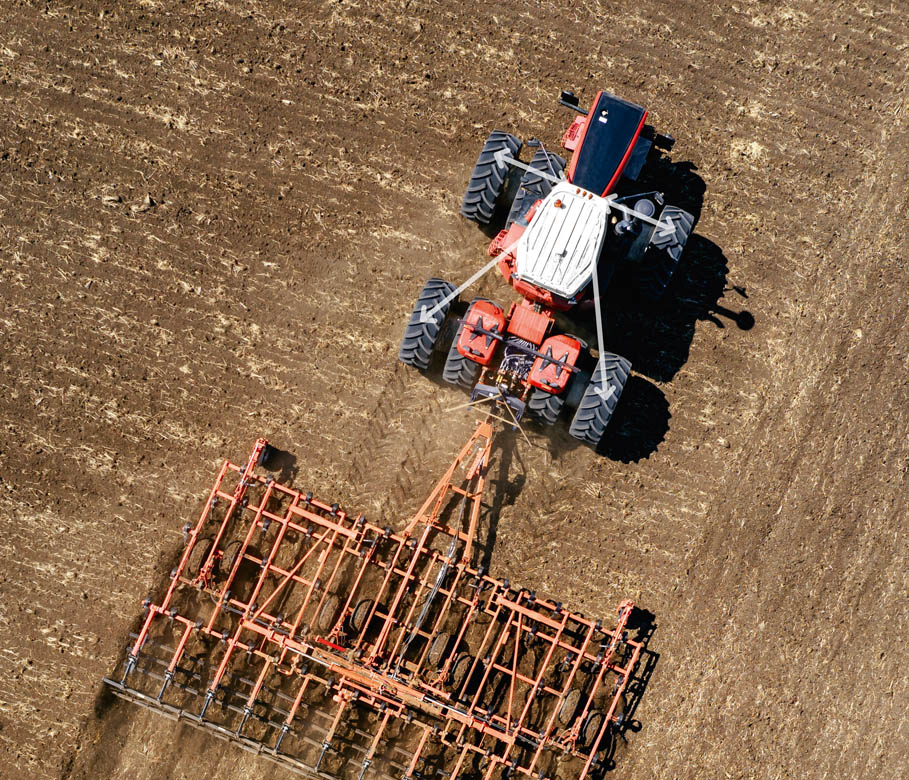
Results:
x,y
335,647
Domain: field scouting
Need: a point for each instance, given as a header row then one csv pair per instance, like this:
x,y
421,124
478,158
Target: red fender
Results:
x,y
550,376
475,345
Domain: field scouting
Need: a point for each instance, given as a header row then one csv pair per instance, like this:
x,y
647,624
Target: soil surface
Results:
x,y
214,219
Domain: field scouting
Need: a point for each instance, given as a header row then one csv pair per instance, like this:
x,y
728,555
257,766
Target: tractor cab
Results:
x,y
603,141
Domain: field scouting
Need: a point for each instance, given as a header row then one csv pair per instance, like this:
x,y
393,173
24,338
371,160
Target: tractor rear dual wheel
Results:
x,y
425,327
545,407
459,370
457,675
600,399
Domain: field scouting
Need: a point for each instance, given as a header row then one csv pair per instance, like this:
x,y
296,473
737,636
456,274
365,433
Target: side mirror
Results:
x,y
568,99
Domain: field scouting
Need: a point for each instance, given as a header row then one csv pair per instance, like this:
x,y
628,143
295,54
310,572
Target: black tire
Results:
x,y
663,254
595,411
197,557
569,707
533,187
229,557
459,370
437,649
592,725
488,178
545,407
574,393
329,613
265,457
360,615
420,338
457,675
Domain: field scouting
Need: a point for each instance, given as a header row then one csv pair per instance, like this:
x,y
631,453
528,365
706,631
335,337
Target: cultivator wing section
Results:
x,y
336,647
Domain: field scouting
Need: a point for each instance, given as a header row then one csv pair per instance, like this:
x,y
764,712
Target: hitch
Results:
x,y
483,392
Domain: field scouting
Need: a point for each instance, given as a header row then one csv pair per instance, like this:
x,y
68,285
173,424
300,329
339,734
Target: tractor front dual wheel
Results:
x,y
535,186
487,182
425,327
663,253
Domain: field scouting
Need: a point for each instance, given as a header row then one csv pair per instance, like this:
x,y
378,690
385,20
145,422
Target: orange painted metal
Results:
x,y
340,648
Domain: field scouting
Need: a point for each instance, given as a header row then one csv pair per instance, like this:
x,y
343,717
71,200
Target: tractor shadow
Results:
x,y
656,336
638,425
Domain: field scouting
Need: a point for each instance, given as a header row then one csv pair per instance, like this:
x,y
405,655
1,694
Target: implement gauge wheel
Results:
x,y
198,556
437,649
569,707
592,725
329,613
360,614
229,557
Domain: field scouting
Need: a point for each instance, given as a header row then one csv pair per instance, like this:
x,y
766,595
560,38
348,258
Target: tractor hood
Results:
x,y
562,243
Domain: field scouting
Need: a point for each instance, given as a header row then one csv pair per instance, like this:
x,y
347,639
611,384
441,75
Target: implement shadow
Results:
x,y
505,491
642,621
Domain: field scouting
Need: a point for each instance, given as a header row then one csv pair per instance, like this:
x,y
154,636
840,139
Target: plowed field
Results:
x,y
214,219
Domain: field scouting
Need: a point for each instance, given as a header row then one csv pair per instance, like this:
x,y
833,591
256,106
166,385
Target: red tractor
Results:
x,y
566,233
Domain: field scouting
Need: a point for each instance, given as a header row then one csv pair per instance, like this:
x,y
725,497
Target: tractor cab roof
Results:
x,y
612,128
562,243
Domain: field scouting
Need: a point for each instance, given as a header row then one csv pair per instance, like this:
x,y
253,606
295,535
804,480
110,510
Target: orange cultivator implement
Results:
x,y
338,648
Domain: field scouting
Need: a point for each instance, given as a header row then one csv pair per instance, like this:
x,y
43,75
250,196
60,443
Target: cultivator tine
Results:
x,y
367,760
131,661
343,700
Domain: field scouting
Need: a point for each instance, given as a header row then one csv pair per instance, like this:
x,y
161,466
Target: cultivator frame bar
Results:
x,y
338,648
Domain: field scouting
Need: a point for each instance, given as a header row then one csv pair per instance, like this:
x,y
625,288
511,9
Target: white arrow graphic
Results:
x,y
604,392
503,158
429,315
666,228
